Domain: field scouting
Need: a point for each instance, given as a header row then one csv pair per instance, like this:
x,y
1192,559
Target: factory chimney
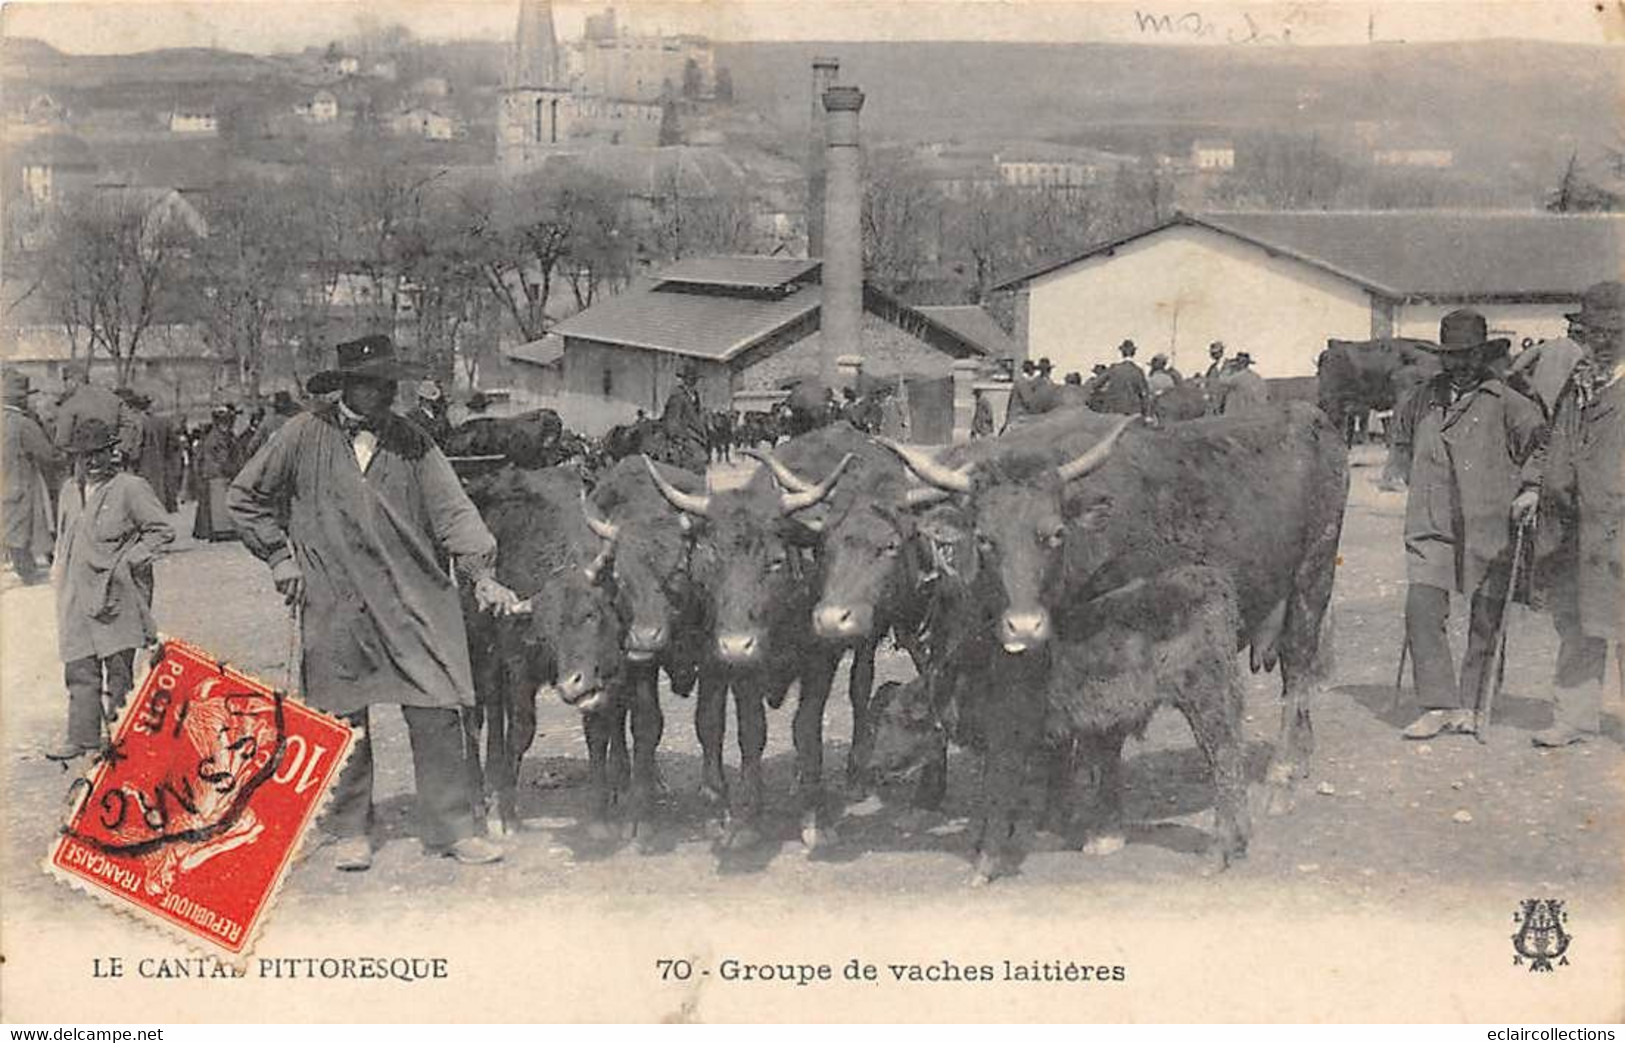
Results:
x,y
842,312
824,71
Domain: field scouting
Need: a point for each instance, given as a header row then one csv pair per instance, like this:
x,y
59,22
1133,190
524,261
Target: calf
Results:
x,y
1165,641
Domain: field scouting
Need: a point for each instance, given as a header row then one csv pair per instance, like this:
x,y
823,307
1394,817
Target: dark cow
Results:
x,y
757,429
882,571
756,575
1184,401
1356,377
1259,497
529,440
1167,641
569,639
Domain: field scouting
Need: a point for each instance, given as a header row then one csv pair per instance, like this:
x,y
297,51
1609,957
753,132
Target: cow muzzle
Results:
x,y
738,648
1024,631
835,622
581,691
646,642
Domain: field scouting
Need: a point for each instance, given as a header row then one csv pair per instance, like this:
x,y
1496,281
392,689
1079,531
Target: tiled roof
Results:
x,y
710,326
973,323
1435,254
764,273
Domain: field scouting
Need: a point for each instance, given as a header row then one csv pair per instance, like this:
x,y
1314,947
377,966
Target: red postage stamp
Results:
x,y
192,815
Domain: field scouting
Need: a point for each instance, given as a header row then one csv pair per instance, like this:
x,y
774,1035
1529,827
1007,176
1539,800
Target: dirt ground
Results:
x,y
1408,839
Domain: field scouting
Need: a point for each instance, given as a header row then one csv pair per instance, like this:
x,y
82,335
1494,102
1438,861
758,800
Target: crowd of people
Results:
x,y
1230,385
1515,492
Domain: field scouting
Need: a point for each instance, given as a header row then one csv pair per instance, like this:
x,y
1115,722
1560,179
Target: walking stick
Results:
x,y
293,681
1489,688
1399,676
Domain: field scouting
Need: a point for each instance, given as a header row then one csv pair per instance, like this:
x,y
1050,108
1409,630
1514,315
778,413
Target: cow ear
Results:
x,y
1089,516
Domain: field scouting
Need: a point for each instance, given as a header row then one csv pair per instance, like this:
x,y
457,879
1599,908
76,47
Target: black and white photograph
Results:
x,y
755,511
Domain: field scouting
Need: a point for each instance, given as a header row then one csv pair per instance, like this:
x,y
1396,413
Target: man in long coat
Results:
x,y
28,458
354,508
216,463
1473,435
683,422
160,450
1124,388
112,527
1243,391
81,400
1575,488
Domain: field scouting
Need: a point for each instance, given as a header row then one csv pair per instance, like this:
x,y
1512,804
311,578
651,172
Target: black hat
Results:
x,y
369,358
478,401
1466,330
91,434
1243,358
1602,307
1127,347
1045,365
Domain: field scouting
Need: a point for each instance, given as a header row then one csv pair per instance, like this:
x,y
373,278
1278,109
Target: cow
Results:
x,y
756,576
530,440
1355,377
548,554
1184,401
1259,497
1166,641
882,572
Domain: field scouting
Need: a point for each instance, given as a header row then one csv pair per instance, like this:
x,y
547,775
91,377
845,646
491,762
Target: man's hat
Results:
x,y
1466,330
478,401
429,390
1217,345
1127,347
91,434
369,358
1045,365
1243,358
223,409
1159,357
1602,307
17,386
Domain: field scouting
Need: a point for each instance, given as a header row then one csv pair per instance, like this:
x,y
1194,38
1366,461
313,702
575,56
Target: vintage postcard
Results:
x,y
870,510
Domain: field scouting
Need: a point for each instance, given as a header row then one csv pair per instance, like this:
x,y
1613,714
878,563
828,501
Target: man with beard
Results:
x,y
354,508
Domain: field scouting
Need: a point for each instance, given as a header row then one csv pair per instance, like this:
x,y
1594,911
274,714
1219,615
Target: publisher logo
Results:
x,y
1542,940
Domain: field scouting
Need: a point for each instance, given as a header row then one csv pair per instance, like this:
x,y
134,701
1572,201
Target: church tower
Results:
x,y
537,110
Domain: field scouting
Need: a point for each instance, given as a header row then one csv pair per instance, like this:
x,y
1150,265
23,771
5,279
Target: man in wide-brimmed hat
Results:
x,y
216,463
1574,490
1241,389
354,508
28,457
112,527
1472,436
683,422
430,413
1124,388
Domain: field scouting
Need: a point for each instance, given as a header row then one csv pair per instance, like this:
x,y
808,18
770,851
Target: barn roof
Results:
x,y
721,306
972,322
1423,255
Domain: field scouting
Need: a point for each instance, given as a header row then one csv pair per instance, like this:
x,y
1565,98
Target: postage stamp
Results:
x,y
193,813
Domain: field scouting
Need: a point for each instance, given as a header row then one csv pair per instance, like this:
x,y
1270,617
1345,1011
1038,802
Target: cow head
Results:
x,y
650,557
866,545
578,618
748,557
1021,527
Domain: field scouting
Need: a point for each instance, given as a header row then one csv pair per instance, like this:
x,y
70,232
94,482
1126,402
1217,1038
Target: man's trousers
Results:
x,y
445,810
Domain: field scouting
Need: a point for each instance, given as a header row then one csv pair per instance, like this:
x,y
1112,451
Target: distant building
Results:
x,y
1278,285
341,65
50,163
200,122
1053,167
323,107
425,123
1213,155
1424,158
383,69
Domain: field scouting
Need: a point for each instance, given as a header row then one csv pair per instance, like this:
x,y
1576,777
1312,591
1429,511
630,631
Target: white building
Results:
x,y
321,108
1213,155
1279,285
1426,158
424,123
193,122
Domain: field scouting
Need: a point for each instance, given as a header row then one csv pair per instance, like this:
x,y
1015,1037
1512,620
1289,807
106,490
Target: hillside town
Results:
x,y
1195,483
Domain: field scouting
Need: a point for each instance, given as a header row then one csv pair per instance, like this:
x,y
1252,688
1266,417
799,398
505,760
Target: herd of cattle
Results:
x,y
1096,566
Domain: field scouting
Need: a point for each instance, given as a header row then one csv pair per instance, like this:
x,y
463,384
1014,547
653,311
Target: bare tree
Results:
x,y
900,207
114,268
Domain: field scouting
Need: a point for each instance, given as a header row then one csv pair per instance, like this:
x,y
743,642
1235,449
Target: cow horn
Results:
x,y
787,478
790,502
595,568
925,496
602,527
1096,454
685,502
929,470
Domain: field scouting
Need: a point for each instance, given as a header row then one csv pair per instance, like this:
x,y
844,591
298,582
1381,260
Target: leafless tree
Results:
x,y
900,208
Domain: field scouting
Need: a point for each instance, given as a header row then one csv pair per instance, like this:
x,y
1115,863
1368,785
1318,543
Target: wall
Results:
x,y
1179,290
1538,321
887,352
639,378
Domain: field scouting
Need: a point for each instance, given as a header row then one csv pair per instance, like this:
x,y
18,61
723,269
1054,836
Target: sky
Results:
x,y
259,26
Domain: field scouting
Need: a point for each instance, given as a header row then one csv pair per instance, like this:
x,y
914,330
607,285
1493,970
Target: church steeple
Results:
x,y
535,58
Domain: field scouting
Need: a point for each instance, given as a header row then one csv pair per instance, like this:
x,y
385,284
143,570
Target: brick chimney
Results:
x,y
843,228
824,71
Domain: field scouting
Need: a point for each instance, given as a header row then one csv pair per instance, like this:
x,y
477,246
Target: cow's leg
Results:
x,y
473,720
620,760
596,725
499,760
1214,712
1060,770
1100,754
745,809
1014,730
519,706
711,728
1304,662
861,683
818,674
647,726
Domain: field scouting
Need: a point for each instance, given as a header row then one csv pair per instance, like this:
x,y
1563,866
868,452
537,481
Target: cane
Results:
x,y
296,648
1488,688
